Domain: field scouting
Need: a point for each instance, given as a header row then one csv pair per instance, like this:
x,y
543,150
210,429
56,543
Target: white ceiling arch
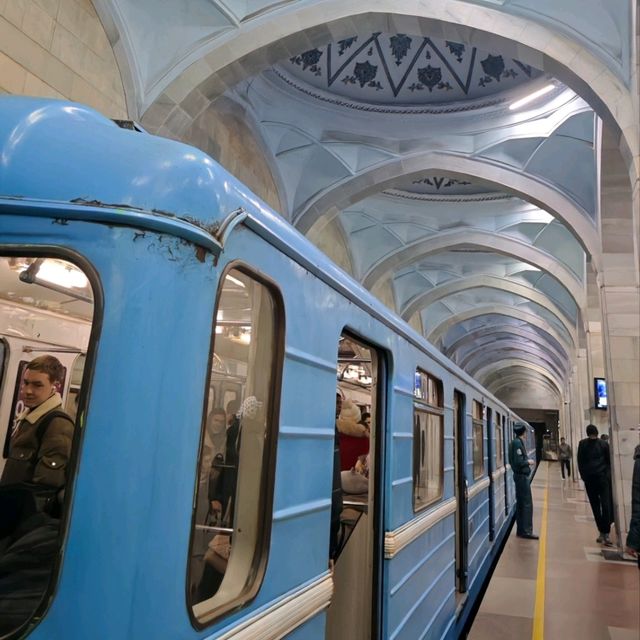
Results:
x,y
495,368
481,240
512,348
464,284
436,334
221,46
332,202
470,341
503,380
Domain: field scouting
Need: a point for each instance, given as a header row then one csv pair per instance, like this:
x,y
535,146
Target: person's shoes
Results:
x,y
528,536
607,541
600,539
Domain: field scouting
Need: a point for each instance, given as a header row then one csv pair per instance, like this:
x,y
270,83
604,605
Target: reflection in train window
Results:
x,y
499,430
428,440
232,518
46,312
478,443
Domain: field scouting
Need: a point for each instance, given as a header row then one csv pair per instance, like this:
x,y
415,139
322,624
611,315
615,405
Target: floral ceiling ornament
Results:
x,y
389,64
456,49
440,182
309,60
365,73
345,44
400,45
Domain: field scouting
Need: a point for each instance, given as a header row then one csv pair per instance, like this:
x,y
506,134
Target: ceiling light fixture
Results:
x,y
57,275
63,274
531,97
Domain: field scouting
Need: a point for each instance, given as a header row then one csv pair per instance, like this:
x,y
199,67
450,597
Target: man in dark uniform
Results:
x,y
520,465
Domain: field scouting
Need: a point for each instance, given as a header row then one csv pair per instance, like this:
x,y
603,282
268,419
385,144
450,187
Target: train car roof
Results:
x,y
81,157
53,151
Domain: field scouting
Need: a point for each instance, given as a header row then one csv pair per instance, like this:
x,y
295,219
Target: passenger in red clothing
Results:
x,y
354,436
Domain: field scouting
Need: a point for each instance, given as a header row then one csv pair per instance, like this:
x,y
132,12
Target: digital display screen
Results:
x,y
600,392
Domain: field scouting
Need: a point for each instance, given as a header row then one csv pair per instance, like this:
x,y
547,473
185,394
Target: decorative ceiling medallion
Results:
x,y
498,101
440,183
403,69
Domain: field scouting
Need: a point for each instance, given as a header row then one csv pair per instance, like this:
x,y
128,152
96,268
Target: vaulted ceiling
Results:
x,y
396,135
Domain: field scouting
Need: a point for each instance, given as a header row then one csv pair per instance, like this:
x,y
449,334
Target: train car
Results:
x,y
210,347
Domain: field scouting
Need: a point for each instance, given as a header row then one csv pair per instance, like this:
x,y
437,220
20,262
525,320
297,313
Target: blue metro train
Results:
x,y
217,486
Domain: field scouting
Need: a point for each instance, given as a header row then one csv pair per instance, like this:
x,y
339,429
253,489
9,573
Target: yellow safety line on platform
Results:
x,y
538,613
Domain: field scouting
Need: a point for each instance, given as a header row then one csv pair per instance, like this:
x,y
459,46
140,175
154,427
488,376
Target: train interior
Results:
x,y
238,440
351,613
46,308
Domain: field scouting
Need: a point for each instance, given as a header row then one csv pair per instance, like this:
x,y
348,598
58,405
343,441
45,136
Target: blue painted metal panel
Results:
x,y
421,578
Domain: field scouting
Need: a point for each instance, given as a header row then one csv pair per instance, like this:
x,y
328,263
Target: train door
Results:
x,y
355,607
461,485
490,470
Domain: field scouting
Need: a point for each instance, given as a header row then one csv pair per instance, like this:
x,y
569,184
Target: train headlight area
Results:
x,y
227,437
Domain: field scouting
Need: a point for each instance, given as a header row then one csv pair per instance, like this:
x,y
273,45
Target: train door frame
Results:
x,y
490,470
505,442
461,490
376,504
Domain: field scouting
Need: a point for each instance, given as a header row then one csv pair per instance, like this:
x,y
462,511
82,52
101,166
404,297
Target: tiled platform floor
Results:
x,y
586,596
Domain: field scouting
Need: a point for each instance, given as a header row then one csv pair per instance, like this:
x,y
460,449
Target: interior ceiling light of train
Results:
x,y
48,283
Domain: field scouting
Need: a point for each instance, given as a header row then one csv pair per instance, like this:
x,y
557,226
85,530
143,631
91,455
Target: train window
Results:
x,y
46,314
428,440
478,443
499,431
232,508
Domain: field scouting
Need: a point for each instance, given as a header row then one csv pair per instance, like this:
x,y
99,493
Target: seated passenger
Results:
x,y
354,437
31,487
222,496
40,445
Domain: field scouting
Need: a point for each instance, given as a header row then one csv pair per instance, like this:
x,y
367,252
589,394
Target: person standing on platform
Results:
x,y
521,467
633,537
565,453
594,465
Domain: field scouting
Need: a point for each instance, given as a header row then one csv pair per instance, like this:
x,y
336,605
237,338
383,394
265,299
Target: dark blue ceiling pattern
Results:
x,y
404,69
440,182
440,185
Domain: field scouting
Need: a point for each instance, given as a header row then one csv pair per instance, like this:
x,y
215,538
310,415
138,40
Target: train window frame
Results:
x,y
427,405
499,436
4,359
264,518
478,412
82,263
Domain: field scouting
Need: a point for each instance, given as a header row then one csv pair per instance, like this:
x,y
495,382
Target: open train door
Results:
x,y
355,610
461,484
